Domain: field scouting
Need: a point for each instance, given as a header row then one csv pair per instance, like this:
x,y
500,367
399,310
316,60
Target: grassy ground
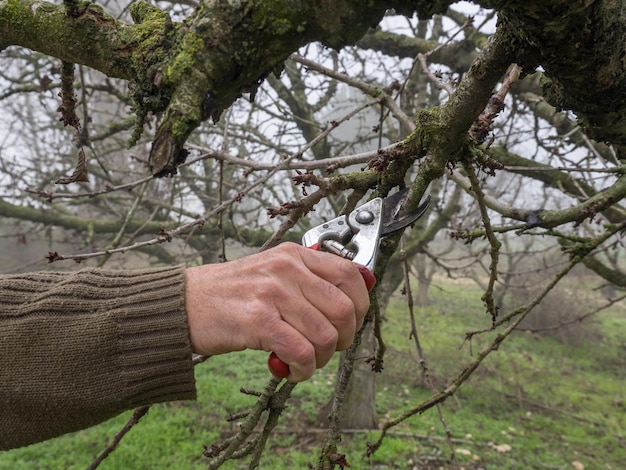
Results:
x,y
536,403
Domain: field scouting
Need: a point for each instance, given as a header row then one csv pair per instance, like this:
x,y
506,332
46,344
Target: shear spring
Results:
x,y
336,248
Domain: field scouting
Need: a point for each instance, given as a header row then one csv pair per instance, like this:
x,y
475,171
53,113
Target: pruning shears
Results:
x,y
356,236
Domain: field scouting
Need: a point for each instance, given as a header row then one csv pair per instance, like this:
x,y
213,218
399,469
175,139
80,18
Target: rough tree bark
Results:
x,y
196,69
192,70
581,46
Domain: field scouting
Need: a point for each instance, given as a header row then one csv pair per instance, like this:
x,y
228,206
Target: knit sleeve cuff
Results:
x,y
78,348
155,356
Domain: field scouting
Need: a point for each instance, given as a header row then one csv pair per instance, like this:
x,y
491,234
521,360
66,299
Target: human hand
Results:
x,y
302,304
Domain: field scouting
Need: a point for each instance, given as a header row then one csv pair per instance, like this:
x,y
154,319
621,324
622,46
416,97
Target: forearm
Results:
x,y
78,348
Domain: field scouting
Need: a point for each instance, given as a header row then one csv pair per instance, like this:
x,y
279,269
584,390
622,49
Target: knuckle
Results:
x,y
283,259
345,308
269,287
327,339
304,353
287,248
345,314
347,269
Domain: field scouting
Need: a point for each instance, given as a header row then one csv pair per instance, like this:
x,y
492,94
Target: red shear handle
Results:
x,y
277,367
281,370
368,277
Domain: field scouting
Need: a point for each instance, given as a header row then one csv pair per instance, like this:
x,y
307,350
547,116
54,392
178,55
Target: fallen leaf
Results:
x,y
503,448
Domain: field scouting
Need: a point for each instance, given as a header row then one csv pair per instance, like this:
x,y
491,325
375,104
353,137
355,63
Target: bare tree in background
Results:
x,y
186,127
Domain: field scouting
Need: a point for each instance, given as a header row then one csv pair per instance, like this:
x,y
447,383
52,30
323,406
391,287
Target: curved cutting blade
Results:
x,y
391,210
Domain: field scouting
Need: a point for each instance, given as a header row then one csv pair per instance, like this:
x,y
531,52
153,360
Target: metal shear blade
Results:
x,y
391,208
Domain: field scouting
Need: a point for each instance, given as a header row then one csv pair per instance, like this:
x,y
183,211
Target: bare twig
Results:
x,y
440,84
276,407
481,128
333,436
423,59
129,215
51,195
134,419
618,170
332,162
247,427
376,92
494,243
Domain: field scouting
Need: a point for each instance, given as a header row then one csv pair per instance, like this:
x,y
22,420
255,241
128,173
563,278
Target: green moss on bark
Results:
x,y
183,62
93,38
155,38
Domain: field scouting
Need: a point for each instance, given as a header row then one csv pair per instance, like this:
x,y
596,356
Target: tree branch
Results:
x,y
91,38
581,46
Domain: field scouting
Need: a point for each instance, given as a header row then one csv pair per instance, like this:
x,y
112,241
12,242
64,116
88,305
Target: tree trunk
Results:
x,y
359,408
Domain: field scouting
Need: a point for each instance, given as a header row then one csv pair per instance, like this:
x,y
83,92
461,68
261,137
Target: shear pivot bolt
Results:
x,y
364,217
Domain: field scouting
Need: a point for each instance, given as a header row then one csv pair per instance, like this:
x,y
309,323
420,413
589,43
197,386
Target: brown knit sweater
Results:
x,y
79,348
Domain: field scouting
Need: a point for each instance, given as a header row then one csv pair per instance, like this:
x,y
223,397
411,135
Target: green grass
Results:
x,y
534,403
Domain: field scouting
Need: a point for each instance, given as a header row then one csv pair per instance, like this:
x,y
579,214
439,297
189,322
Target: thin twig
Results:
x,y
246,429
276,407
51,195
330,162
440,84
129,214
333,436
482,126
138,413
423,60
621,169
494,243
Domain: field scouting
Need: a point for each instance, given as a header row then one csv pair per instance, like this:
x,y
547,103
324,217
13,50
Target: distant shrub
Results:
x,y
561,314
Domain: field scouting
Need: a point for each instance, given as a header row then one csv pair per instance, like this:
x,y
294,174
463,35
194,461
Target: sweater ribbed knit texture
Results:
x,y
79,348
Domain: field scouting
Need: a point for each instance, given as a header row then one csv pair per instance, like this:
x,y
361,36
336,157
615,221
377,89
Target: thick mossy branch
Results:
x,y
92,38
157,38
230,47
582,47
227,48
